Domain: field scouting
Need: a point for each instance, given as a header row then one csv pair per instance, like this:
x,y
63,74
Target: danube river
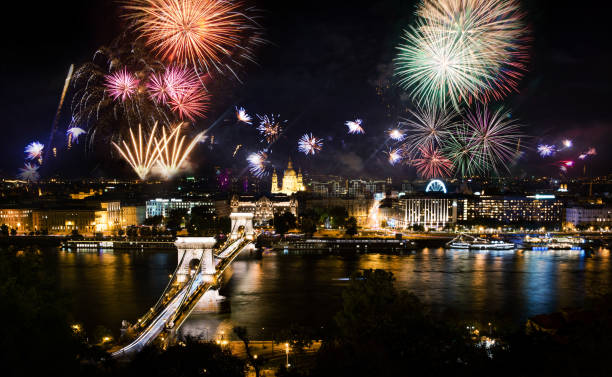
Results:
x,y
279,289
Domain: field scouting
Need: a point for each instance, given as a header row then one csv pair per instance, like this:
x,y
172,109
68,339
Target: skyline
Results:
x,y
316,78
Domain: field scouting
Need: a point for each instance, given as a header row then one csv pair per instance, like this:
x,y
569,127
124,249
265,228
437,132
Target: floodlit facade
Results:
x,y
431,212
264,208
19,219
511,209
291,183
163,207
590,215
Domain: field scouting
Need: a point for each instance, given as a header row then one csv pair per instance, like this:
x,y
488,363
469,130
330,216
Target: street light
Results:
x,y
287,354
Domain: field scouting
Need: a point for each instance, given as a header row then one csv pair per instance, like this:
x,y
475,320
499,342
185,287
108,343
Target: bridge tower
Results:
x,y
242,222
194,248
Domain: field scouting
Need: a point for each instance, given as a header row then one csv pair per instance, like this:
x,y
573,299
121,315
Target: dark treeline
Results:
x,y
380,331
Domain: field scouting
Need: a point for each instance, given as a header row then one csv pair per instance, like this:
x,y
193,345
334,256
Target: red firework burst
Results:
x,y
432,164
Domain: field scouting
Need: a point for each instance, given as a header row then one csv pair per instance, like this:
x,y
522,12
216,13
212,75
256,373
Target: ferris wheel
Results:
x,y
435,185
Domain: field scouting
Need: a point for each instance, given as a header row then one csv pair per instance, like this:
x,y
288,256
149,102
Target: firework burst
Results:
x,y
34,151
459,147
309,144
431,163
426,128
190,104
243,116
270,127
495,138
396,134
354,126
141,156
463,49
175,81
122,84
394,155
209,34
29,173
567,143
546,150
257,163
172,151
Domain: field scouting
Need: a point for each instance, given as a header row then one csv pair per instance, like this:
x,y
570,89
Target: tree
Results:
x,y
75,232
176,219
120,232
255,361
4,230
145,232
284,222
351,226
13,232
338,214
308,226
154,220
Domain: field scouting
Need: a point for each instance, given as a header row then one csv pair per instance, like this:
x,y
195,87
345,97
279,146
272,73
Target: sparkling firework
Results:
x,y
354,126
141,157
201,33
122,84
29,173
568,163
74,133
396,134
567,143
592,151
495,138
257,163
582,156
459,147
34,151
546,150
269,127
427,128
190,104
172,152
236,150
242,116
309,144
394,155
175,81
432,164
462,49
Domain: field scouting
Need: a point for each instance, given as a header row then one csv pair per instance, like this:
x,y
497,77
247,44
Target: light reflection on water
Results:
x,y
279,290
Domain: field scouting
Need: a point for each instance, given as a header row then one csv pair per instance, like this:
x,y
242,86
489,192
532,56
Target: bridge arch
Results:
x,y
242,222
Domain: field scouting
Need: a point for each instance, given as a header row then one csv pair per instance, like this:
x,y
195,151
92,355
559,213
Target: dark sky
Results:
x,y
319,69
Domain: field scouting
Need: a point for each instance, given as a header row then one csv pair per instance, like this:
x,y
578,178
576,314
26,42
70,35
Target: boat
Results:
x,y
547,242
466,241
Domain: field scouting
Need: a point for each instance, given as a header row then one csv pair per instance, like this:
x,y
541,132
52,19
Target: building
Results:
x,y
533,209
264,208
291,184
132,215
430,212
163,207
594,215
19,219
64,221
359,208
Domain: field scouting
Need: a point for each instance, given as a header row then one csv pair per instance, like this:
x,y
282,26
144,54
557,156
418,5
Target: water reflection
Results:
x,y
279,290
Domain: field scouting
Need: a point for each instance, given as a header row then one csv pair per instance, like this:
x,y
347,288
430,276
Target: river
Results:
x,y
279,289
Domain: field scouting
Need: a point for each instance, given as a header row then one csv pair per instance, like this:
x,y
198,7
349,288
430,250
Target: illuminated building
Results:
x,y
359,208
292,182
163,207
430,212
132,215
19,219
596,215
82,195
264,208
515,209
64,221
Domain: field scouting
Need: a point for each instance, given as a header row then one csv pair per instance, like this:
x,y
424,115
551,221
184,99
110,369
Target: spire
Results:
x,y
289,165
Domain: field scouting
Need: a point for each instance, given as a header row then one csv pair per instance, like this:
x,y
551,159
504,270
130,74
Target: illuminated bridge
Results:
x,y
199,269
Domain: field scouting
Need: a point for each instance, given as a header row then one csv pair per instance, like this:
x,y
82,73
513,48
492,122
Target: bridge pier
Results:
x,y
193,251
242,222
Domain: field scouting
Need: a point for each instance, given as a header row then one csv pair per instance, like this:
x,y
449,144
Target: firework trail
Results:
x,y
270,127
236,150
432,164
461,50
242,116
546,150
172,152
309,144
494,136
257,163
122,84
141,157
208,34
34,151
60,105
29,173
427,127
354,126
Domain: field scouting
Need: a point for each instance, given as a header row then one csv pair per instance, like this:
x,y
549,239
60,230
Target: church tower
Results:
x,y
300,181
274,189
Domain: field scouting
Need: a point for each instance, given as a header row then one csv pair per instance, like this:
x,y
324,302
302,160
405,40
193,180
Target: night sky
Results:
x,y
321,67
